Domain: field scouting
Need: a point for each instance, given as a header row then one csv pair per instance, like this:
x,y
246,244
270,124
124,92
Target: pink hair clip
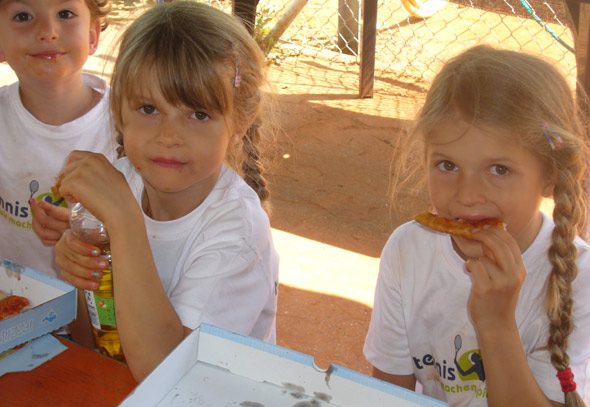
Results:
x,y
238,76
554,139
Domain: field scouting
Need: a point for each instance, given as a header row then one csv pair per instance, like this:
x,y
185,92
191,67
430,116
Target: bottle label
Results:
x,y
101,310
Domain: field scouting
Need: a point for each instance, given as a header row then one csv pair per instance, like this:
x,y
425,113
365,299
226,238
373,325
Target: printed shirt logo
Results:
x,y
464,377
470,364
19,214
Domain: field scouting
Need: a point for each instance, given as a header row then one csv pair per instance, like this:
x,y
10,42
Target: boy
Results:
x,y
53,109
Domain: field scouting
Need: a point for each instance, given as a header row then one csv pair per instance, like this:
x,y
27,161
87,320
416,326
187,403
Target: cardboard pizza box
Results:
x,y
214,367
52,304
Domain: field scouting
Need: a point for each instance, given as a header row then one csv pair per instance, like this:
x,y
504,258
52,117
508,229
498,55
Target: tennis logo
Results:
x,y
470,364
463,374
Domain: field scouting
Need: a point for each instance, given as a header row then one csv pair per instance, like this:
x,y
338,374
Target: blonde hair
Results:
x,y
99,9
492,87
195,50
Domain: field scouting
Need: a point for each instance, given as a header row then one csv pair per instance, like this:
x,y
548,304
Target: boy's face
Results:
x,y
46,40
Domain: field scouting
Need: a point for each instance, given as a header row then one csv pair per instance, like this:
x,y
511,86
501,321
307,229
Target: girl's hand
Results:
x,y
89,178
497,278
79,262
49,221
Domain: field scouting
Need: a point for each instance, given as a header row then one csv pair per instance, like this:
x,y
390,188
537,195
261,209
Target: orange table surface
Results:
x,y
77,377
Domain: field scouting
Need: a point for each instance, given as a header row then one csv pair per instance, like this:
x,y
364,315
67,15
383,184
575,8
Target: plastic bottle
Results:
x,y
101,307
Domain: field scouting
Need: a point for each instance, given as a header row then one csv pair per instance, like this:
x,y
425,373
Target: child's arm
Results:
x,y
497,280
148,325
49,221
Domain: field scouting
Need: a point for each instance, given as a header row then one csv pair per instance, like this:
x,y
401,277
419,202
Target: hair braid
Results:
x,y
562,255
527,95
252,166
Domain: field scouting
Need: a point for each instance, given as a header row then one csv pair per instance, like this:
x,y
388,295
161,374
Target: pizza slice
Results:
x,y
459,227
12,305
55,188
9,306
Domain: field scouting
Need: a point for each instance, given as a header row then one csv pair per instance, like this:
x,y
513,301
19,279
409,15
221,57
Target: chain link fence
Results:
x,y
415,36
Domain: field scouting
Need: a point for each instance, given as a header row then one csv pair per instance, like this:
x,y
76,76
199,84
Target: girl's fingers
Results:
x,y
86,254
90,284
478,271
49,224
56,213
79,262
501,248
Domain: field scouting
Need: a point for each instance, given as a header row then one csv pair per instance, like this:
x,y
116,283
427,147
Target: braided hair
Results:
x,y
529,96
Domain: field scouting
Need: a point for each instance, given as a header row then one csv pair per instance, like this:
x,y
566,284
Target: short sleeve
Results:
x,y
386,345
229,278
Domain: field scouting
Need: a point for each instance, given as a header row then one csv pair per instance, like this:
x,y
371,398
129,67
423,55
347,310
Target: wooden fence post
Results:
x,y
367,59
579,15
246,11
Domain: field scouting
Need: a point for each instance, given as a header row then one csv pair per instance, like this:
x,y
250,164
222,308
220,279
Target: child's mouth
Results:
x,y
167,162
48,55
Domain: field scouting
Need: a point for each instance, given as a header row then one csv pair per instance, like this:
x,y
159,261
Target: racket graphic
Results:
x,y
458,344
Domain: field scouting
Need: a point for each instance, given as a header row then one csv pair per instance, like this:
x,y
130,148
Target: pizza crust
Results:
x,y
459,227
55,188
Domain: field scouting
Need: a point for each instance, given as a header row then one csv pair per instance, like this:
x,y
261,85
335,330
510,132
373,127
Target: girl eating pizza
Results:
x,y
492,316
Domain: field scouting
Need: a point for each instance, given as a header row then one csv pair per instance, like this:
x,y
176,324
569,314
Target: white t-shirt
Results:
x,y
32,154
420,323
217,263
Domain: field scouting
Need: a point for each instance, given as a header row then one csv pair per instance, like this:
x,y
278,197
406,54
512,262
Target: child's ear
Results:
x,y
235,139
94,36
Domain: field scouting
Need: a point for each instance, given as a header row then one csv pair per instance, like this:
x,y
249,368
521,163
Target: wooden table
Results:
x,y
77,377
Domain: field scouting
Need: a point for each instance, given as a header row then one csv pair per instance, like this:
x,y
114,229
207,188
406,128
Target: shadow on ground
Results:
x,y
333,184
324,326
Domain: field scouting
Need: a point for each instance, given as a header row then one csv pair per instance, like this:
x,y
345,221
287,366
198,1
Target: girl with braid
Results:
x,y
190,240
499,132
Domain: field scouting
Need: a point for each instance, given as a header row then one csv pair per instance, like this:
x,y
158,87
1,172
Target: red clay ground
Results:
x,y
333,190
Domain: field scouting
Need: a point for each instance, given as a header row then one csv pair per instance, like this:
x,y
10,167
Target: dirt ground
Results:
x,y
331,189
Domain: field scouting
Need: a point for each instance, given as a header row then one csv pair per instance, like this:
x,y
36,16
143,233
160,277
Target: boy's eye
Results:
x,y
499,170
148,109
20,17
200,116
66,14
447,165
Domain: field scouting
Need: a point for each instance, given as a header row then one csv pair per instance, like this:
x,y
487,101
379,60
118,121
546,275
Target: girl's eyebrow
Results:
x,y
490,160
8,2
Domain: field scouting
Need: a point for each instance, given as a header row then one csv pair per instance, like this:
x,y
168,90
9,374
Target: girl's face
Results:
x,y
478,173
178,150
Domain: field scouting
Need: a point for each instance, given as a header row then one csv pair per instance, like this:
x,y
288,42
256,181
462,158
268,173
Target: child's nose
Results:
x,y
168,135
47,30
470,190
